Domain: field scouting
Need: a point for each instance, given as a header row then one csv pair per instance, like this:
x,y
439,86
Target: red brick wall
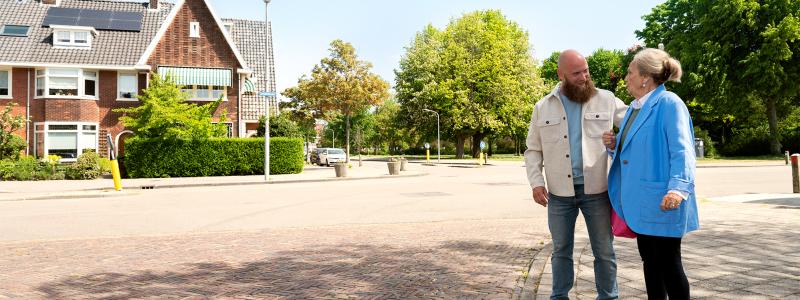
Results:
x,y
18,88
210,50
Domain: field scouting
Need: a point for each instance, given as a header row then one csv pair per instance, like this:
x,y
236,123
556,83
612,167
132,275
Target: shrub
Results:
x,y
708,144
87,167
210,157
26,168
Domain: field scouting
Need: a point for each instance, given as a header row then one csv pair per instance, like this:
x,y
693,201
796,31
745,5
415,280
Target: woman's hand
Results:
x,y
671,201
610,140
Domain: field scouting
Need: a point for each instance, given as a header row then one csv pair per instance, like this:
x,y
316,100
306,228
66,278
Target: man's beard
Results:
x,y
578,93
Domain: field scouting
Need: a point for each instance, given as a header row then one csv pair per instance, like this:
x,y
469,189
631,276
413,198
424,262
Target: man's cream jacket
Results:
x,y
548,143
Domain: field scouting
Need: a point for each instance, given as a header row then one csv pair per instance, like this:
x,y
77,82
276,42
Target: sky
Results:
x,y
380,30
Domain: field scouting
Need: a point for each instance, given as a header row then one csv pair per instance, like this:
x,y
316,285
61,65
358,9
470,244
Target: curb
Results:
x,y
536,268
109,192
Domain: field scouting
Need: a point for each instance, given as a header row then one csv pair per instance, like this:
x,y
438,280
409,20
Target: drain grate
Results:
x,y
148,187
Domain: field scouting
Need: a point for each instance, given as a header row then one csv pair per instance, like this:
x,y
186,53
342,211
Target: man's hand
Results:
x,y
540,195
610,140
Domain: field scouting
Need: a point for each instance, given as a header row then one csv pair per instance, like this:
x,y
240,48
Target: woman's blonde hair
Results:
x,y
659,65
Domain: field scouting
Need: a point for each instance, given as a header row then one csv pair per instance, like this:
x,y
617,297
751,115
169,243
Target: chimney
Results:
x,y
49,2
153,4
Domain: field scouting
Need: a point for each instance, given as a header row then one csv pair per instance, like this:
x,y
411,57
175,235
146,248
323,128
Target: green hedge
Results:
x,y
212,157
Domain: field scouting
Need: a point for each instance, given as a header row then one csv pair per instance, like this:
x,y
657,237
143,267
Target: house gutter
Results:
x,y
239,128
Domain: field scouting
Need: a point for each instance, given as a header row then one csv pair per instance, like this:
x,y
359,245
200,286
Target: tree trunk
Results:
x,y
774,136
476,144
460,146
347,137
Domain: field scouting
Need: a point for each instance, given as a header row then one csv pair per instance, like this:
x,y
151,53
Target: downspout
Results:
x,y
239,130
28,115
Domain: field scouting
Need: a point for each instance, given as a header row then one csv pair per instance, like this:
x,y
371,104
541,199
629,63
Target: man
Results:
x,y
565,137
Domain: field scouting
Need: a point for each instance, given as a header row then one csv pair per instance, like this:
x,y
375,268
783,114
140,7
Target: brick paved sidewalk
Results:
x,y
482,259
743,251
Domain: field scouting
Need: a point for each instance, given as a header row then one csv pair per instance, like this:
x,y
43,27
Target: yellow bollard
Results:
x,y
427,155
115,175
480,158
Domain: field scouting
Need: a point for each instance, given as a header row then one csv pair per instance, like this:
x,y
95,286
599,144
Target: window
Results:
x,y
228,27
62,82
194,29
127,87
205,92
5,83
15,30
67,140
66,83
90,83
71,37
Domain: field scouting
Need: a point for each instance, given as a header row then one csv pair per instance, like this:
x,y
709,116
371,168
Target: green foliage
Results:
x,y
606,69
340,84
29,168
549,69
478,73
211,157
622,92
280,125
10,144
733,52
164,113
86,167
105,165
708,144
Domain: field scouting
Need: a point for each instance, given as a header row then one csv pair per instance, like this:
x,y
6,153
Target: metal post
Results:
x,y
795,174
266,99
786,157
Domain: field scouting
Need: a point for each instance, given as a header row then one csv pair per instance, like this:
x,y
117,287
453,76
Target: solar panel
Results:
x,y
127,16
51,20
98,19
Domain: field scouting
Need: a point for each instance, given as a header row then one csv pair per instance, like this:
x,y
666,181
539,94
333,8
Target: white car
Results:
x,y
329,156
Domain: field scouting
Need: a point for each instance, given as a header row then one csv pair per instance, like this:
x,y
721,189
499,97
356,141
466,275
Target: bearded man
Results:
x,y
565,137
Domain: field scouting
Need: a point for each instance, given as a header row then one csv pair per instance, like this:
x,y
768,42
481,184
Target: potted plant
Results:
x,y
394,166
340,168
403,164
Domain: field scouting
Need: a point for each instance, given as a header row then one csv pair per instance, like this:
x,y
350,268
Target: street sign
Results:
x,y
427,146
266,94
483,145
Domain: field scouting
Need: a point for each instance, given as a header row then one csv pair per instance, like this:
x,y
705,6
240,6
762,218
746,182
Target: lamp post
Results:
x,y
438,140
266,99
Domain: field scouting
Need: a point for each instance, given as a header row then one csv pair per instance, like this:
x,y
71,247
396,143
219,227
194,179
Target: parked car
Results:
x,y
328,156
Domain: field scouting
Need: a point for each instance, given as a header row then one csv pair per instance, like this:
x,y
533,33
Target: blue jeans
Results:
x,y
562,213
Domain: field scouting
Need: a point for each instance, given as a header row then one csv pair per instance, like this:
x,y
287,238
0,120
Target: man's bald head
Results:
x,y
573,71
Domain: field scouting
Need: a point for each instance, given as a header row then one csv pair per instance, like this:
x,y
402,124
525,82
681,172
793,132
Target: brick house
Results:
x,y
69,63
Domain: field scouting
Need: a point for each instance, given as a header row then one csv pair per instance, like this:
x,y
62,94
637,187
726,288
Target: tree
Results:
x,y
733,51
341,83
280,125
165,114
477,73
549,69
606,68
10,143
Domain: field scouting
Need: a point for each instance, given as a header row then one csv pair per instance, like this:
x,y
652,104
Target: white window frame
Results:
x,y
228,27
10,83
81,142
192,90
194,29
72,43
45,76
119,91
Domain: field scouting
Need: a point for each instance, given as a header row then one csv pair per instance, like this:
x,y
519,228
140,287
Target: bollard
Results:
x,y
115,174
480,158
795,174
427,155
786,157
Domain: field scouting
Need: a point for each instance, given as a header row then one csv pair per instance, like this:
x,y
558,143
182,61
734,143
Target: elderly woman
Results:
x,y
651,180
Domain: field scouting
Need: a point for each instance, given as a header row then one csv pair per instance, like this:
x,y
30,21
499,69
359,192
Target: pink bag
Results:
x,y
619,227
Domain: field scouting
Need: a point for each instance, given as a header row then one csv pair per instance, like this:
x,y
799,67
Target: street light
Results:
x,y
438,140
266,98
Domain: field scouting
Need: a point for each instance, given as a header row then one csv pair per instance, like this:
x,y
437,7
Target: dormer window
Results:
x,y
15,30
72,36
